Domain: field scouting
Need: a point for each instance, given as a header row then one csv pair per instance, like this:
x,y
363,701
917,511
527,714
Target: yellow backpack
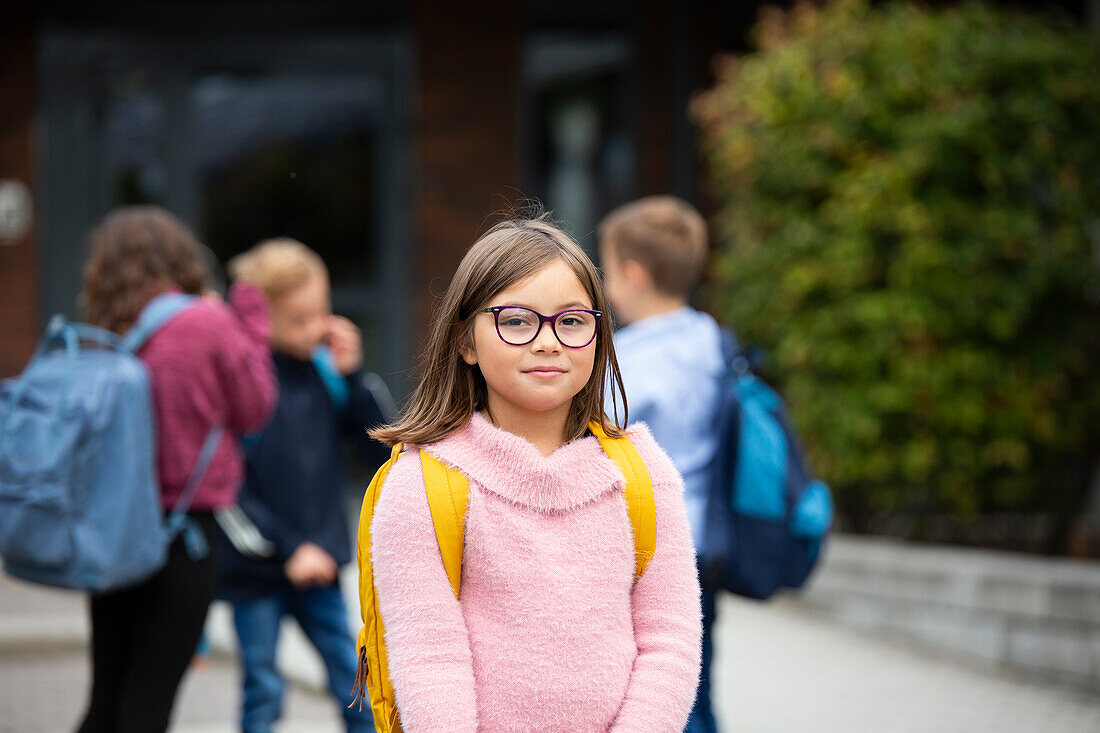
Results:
x,y
448,491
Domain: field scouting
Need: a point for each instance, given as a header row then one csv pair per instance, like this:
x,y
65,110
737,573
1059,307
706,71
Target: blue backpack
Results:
x,y
766,514
79,498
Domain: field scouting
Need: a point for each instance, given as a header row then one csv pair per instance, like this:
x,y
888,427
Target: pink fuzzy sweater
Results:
x,y
551,633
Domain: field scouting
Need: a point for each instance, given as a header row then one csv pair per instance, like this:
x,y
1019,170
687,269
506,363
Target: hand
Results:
x,y
343,339
310,566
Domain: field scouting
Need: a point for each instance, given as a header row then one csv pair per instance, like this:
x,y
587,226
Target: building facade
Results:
x,y
384,135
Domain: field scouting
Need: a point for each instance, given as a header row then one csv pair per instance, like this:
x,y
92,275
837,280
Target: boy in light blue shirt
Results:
x,y
653,252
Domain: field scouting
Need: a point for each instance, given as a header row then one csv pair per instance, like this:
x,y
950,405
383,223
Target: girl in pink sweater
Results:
x,y
550,631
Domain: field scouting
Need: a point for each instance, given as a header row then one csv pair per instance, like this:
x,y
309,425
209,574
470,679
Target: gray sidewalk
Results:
x,y
779,668
44,672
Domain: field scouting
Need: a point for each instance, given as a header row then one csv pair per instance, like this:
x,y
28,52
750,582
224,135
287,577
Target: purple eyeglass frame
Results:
x,y
496,309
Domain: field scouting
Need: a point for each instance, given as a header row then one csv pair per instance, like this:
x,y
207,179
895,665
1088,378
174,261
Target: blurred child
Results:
x,y
550,631
295,484
209,365
653,252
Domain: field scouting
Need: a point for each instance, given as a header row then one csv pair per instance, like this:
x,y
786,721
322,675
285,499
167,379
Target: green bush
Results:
x,y
909,220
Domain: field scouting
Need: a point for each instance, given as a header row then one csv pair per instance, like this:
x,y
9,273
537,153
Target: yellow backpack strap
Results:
x,y
372,678
638,493
448,494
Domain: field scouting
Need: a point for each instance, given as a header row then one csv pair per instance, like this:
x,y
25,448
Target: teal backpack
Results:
x,y
767,514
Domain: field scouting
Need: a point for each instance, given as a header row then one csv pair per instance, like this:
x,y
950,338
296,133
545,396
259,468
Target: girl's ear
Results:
x,y
466,350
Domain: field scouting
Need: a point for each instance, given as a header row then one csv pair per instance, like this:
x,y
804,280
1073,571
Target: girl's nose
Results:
x,y
545,339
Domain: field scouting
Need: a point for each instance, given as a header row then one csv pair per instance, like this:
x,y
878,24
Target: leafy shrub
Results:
x,y
909,220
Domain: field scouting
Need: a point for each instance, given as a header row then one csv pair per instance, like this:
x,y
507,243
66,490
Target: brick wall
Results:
x,y
466,137
18,280
654,36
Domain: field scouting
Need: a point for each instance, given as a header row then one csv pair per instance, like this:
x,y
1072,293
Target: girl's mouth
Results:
x,y
545,372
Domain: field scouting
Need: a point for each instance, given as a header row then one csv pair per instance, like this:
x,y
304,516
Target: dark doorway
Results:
x,y
244,139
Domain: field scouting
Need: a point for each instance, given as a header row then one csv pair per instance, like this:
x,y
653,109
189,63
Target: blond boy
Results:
x,y
294,484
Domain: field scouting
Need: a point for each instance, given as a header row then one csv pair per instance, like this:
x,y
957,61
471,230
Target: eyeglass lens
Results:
x,y
518,326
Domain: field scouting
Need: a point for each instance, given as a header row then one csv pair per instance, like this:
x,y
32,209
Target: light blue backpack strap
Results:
x,y
330,375
155,314
58,329
178,521
70,333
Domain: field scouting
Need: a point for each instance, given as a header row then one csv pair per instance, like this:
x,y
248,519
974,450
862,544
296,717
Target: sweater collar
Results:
x,y
511,467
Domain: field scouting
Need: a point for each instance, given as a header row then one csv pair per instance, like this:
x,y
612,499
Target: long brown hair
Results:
x,y
450,390
138,252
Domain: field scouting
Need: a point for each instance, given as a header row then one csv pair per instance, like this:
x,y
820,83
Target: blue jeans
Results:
x,y
323,617
701,719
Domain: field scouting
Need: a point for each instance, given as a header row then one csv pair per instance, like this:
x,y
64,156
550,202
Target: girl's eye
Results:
x,y
514,322
574,320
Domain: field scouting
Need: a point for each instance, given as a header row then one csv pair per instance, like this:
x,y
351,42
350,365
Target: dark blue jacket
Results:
x,y
294,488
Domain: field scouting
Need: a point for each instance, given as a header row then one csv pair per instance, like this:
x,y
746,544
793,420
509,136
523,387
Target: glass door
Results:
x,y
245,140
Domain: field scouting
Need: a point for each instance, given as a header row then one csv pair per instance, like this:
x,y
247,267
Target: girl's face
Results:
x,y
542,376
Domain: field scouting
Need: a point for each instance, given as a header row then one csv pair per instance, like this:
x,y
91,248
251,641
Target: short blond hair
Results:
x,y
278,266
664,234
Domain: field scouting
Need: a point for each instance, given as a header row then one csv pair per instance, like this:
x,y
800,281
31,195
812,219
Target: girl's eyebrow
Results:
x,y
574,304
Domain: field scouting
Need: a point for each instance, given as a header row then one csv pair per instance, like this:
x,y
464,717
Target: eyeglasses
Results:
x,y
519,326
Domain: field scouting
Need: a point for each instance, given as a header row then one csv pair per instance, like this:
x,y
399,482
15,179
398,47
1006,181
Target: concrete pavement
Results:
x,y
780,668
44,672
